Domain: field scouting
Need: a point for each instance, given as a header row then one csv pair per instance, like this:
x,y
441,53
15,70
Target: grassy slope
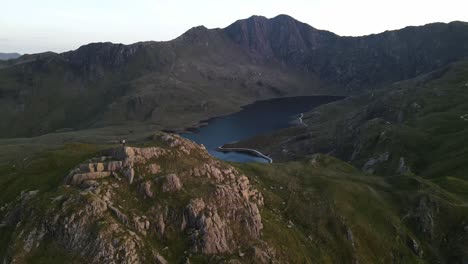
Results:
x,y
94,87
419,120
326,198
328,202
43,172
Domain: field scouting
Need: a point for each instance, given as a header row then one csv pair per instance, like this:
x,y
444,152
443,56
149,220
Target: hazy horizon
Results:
x,y
56,26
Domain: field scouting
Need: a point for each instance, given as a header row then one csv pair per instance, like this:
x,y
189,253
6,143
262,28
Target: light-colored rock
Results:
x,y
350,236
89,183
211,234
160,224
129,173
99,167
79,178
87,167
121,216
145,189
114,165
141,224
260,256
402,167
154,168
370,165
160,259
171,183
210,218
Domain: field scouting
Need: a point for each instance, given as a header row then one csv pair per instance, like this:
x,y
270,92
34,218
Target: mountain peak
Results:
x,y
9,56
253,18
277,36
263,19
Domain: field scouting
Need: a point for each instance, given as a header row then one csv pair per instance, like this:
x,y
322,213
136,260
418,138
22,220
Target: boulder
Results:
x,y
211,233
129,173
145,189
414,246
79,178
154,168
171,183
99,167
114,165
86,167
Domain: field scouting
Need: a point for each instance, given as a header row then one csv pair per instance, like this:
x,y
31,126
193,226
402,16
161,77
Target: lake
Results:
x,y
258,118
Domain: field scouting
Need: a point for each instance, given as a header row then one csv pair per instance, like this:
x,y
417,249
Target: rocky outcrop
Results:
x,y
145,189
106,220
424,215
402,167
154,169
211,234
171,183
82,177
69,223
369,166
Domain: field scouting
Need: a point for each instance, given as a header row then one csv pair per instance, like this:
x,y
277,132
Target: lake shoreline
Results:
x,y
195,128
260,117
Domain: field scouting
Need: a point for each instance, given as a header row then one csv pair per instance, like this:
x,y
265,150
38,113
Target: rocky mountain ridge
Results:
x,y
90,216
9,56
103,84
167,200
390,131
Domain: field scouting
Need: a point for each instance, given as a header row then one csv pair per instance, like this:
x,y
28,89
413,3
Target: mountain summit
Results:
x,y
9,56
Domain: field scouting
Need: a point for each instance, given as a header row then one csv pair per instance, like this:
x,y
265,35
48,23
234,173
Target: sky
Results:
x,y
31,26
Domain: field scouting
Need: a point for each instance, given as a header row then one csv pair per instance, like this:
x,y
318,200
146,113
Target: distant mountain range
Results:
x,y
209,72
9,56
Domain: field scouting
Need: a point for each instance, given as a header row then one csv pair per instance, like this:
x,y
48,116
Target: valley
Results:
x,y
368,137
260,117
211,72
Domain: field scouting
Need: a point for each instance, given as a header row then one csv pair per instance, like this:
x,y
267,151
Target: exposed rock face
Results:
x,y
415,247
372,162
293,57
129,173
69,226
145,188
402,167
80,178
114,165
154,168
424,215
211,234
104,220
171,183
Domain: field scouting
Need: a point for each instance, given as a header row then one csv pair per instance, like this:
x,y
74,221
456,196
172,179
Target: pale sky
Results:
x,y
30,26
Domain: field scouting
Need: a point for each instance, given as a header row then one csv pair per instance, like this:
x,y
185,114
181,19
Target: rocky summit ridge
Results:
x,y
102,84
111,206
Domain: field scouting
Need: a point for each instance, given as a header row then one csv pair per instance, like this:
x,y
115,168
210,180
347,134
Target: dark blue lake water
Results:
x,y
258,118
